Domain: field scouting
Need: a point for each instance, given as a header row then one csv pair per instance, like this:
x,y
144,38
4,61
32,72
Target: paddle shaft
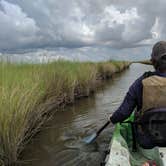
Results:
x,y
102,128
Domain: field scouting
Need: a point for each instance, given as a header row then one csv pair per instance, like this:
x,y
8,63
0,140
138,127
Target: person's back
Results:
x,y
148,91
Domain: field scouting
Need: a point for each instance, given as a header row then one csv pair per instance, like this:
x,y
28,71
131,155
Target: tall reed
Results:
x,y
29,92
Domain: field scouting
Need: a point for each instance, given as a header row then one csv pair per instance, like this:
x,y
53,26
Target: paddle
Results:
x,y
91,138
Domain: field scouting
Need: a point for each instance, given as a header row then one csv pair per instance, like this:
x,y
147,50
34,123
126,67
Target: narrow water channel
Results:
x,y
60,142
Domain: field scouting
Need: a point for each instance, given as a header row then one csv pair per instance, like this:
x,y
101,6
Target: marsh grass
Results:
x,y
29,92
146,62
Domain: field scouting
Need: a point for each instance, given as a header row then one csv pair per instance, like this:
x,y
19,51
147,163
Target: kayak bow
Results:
x,y
121,150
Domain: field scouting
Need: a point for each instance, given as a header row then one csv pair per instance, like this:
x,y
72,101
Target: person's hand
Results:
x,y
152,163
146,164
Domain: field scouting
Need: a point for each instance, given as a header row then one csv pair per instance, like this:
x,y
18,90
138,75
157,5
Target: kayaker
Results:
x,y
134,97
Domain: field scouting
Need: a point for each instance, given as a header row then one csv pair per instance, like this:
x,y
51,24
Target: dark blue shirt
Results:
x,y
132,100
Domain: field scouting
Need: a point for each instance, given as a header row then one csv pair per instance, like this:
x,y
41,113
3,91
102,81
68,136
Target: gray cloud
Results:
x,y
76,23
16,28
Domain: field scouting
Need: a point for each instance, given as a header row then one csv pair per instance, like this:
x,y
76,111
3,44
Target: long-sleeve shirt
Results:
x,y
132,100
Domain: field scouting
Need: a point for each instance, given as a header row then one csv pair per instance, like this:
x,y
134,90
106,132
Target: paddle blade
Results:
x,y
90,139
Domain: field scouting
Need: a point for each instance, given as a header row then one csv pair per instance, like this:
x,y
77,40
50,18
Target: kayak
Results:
x,y
121,154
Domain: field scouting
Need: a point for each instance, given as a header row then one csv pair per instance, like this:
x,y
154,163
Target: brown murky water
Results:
x,y
60,142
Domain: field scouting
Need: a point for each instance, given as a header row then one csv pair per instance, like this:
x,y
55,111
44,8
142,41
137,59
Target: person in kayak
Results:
x,y
134,97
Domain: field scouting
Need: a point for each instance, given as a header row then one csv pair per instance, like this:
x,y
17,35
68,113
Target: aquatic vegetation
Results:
x,y
29,92
146,62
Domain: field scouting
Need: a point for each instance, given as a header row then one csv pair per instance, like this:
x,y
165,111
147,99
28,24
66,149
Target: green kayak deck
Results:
x,y
121,150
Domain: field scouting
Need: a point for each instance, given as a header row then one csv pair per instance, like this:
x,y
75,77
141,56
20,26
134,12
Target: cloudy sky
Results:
x,y
81,29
